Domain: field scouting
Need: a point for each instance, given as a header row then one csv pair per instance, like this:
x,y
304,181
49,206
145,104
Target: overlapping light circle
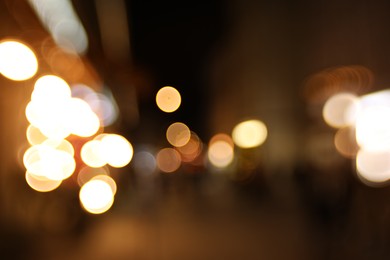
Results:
x,y
112,149
96,196
221,151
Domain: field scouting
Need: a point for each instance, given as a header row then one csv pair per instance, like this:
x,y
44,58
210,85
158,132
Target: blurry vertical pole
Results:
x,y
14,96
61,20
114,29
115,40
253,77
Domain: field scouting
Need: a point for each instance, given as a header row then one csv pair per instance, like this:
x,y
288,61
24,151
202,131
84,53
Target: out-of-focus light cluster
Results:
x,y
187,147
57,112
364,132
111,149
246,135
55,115
61,115
102,104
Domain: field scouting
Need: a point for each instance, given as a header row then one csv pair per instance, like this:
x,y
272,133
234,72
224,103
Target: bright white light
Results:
x,y
49,118
50,89
373,128
48,107
116,150
96,196
379,98
107,179
17,61
56,113
61,145
249,134
92,155
341,110
81,120
46,161
373,166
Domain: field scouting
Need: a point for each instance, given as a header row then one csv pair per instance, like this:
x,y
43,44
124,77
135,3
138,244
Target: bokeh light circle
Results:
x,y
96,196
220,153
116,150
249,134
17,61
168,99
178,134
341,110
168,160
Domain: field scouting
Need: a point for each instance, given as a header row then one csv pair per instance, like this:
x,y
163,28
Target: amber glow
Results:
x,y
345,142
168,160
168,99
249,134
87,173
220,153
222,137
191,149
373,166
41,184
17,61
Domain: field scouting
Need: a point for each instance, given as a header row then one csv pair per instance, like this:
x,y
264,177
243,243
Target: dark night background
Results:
x,y
230,60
